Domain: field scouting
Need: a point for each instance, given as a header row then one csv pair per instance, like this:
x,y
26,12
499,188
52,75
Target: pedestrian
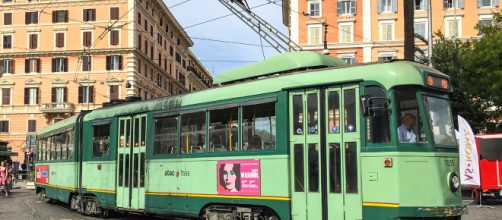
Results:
x,y
4,177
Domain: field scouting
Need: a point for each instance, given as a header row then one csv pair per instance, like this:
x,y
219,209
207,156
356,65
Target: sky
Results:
x,y
229,28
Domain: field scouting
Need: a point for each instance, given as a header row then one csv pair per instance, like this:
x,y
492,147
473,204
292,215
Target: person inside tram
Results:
x,y
405,132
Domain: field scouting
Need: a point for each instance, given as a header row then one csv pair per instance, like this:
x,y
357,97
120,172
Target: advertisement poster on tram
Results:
x,y
42,172
469,163
239,177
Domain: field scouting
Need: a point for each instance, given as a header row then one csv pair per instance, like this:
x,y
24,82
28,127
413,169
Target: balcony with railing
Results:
x,y
63,107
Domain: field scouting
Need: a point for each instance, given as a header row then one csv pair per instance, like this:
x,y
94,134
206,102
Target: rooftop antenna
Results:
x,y
274,37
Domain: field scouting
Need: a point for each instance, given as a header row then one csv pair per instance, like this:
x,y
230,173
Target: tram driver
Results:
x,y
405,132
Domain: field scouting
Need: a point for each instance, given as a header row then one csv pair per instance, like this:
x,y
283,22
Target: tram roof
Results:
x,y
388,74
58,125
280,63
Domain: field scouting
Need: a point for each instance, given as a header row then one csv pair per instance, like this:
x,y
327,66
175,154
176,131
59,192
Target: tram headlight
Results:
x,y
454,182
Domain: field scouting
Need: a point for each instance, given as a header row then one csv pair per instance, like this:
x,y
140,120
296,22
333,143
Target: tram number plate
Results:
x,y
449,162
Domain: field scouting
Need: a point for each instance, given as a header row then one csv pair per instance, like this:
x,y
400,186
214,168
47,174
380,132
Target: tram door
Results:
x,y
324,146
131,156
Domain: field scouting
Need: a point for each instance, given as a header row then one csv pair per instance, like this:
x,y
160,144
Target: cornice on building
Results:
x,y
176,23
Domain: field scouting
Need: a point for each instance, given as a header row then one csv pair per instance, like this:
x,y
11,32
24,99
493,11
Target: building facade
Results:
x,y
58,58
362,31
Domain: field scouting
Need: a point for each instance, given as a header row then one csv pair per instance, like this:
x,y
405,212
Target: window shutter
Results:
x,y
39,66
34,16
394,6
338,7
80,94
27,17
108,62
26,65
120,62
445,4
54,16
65,65
461,4
12,66
65,96
26,96
66,16
53,98
91,94
38,96
379,6
93,14
353,7
53,65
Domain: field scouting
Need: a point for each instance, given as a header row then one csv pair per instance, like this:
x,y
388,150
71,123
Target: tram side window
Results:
x,y
409,127
70,144
378,122
259,127
101,140
166,132
193,132
64,146
223,130
50,145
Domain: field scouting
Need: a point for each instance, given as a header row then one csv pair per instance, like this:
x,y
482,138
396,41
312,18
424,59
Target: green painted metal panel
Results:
x,y
98,175
389,74
280,63
59,125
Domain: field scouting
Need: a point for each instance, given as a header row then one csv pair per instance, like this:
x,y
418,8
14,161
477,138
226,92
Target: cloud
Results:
x,y
229,29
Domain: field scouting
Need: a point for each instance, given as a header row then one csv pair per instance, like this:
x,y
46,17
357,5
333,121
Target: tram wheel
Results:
x,y
44,197
74,203
91,207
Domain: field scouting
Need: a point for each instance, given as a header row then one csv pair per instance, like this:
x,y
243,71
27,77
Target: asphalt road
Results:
x,y
23,204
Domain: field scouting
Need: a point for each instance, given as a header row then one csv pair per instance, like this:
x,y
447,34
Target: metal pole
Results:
x,y
429,24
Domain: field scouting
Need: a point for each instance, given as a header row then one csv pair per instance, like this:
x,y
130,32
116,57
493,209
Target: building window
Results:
x,y
384,57
85,94
386,31
60,40
32,65
140,41
31,17
59,64
421,29
453,27
60,16
7,42
114,37
387,6
86,38
59,95
346,7
32,125
7,66
421,5
6,93
33,41
31,96
101,140
114,62
7,18
314,35
487,3
139,18
346,33
89,14
114,92
4,126
86,63
348,58
114,13
314,8
451,4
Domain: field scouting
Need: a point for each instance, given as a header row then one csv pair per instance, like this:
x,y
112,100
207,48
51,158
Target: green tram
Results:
x,y
297,136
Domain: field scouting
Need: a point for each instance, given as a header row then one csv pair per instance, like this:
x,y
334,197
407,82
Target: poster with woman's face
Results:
x,y
239,177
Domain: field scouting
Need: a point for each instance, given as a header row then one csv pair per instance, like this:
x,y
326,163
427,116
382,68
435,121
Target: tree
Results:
x,y
476,75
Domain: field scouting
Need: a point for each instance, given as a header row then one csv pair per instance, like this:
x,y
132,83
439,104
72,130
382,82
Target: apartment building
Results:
x,y
361,31
58,58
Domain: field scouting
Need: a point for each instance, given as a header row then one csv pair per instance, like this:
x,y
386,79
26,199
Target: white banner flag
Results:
x,y
469,162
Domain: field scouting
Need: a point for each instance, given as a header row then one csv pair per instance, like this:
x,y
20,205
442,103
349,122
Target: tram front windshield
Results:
x,y
440,121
